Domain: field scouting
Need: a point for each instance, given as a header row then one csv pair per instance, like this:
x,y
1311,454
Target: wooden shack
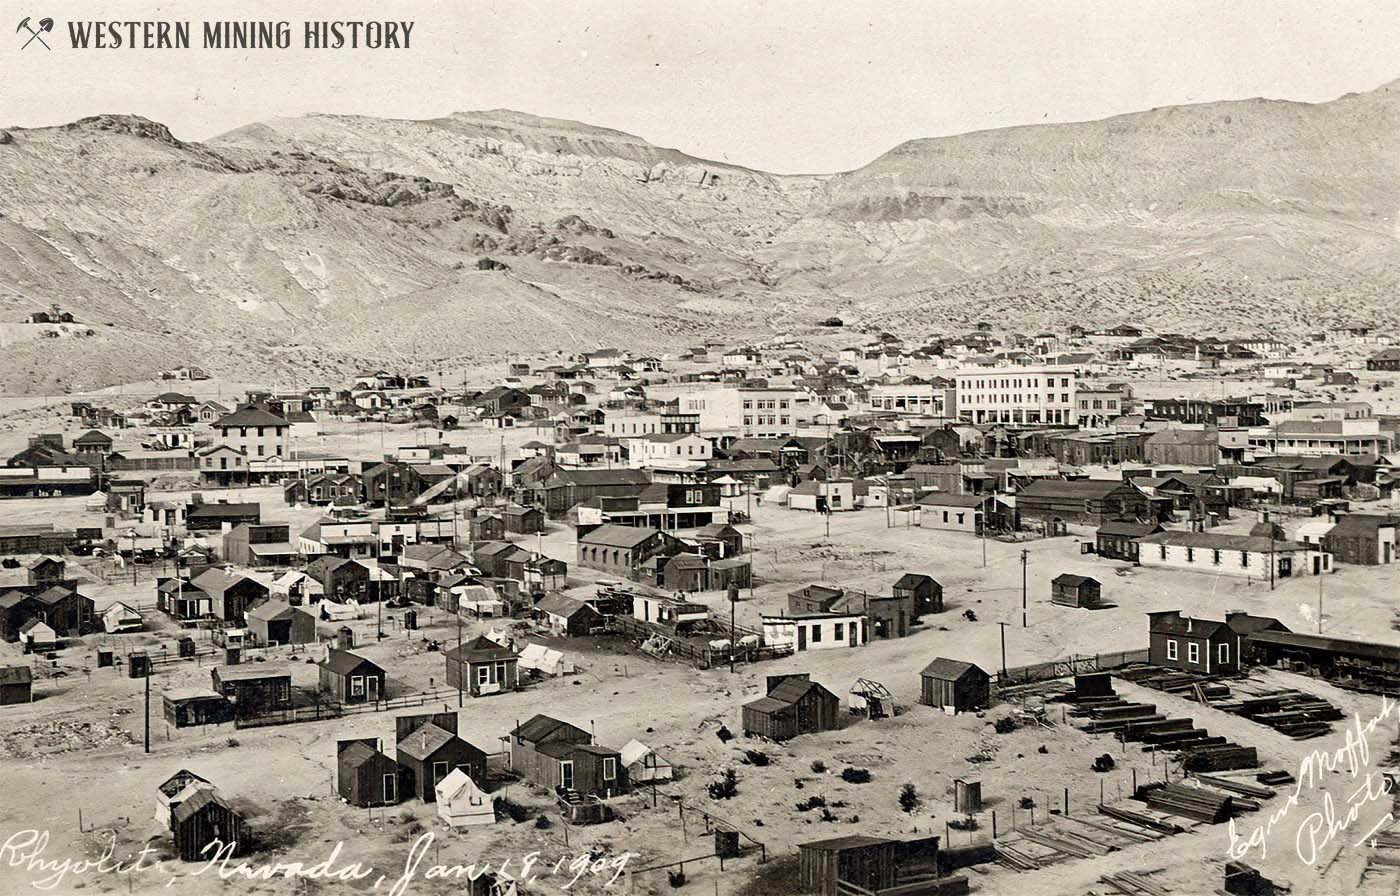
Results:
x,y
925,590
555,754
366,776
794,705
16,685
1069,590
428,754
954,686
254,689
866,862
482,667
189,708
205,822
350,678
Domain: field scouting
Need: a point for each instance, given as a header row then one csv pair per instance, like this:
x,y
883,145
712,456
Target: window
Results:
x,y
1171,649
483,675
1193,653
609,768
960,518
357,686
816,631
1162,551
1224,653
1215,557
439,771
1190,555
838,631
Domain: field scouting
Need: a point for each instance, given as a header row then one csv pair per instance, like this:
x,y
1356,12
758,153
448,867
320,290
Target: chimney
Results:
x,y
1188,623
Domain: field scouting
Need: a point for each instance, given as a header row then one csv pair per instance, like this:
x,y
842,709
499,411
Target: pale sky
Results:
x,y
784,86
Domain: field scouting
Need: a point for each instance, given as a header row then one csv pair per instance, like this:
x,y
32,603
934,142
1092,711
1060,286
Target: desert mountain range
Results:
x,y
295,248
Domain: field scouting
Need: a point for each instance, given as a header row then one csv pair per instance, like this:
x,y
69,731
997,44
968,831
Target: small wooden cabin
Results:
x,y
952,685
350,678
1069,590
794,705
365,775
429,753
866,862
16,685
190,708
926,591
482,667
205,821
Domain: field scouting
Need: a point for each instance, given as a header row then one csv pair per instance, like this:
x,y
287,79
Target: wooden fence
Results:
x,y
329,709
1064,667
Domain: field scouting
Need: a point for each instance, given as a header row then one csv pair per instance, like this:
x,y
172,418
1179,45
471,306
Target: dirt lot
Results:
x,y
80,745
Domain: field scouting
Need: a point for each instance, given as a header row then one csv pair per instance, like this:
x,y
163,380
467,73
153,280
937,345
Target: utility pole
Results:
x,y
733,632
1319,597
459,657
1003,648
1024,555
148,707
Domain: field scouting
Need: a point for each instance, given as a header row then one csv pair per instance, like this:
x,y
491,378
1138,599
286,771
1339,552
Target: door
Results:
x,y
391,788
372,688
801,637
852,627
1285,567
1317,565
566,775
1388,546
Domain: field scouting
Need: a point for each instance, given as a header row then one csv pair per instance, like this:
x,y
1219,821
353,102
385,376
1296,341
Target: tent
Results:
x,y
461,803
544,660
500,636
121,617
777,495
478,599
335,612
97,501
643,764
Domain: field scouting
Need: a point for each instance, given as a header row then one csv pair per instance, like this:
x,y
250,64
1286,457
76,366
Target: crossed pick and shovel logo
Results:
x,y
36,31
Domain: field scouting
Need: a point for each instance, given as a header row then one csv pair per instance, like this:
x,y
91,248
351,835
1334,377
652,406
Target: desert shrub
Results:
x,y
818,766
512,810
810,803
756,757
909,798
1005,725
726,787
724,734
855,775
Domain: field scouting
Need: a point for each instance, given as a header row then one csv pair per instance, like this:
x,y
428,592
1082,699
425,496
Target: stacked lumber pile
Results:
x,y
1243,788
1140,819
1132,883
1195,803
1220,758
1293,713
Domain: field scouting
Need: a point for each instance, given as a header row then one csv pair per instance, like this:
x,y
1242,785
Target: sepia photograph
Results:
x,y
770,448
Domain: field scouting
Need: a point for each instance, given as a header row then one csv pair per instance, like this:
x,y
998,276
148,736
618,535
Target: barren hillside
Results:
x,y
480,234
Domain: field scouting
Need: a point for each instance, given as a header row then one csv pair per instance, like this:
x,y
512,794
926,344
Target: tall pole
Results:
x,y
733,633
148,708
459,657
1319,597
1003,648
1024,555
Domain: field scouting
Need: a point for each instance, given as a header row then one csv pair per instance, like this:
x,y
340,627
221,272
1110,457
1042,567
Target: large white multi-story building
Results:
x,y
911,398
751,412
1017,395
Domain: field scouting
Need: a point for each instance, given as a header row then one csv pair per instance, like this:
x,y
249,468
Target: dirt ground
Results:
x,y
79,746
